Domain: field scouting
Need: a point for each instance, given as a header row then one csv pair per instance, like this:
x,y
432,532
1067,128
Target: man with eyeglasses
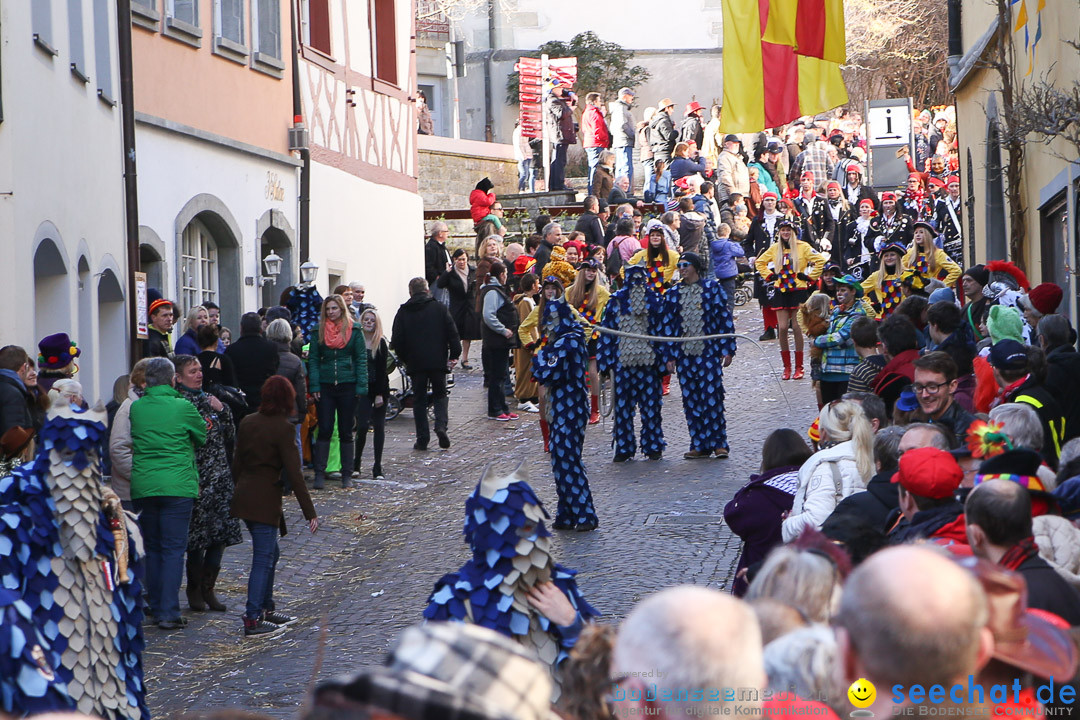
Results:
x,y
695,307
934,383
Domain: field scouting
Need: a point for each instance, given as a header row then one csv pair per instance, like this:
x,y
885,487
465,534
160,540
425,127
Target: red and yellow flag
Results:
x,y
781,61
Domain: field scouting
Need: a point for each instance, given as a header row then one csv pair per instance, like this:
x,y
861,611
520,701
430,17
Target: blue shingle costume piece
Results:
x,y
305,303
511,547
636,364
70,614
700,309
561,366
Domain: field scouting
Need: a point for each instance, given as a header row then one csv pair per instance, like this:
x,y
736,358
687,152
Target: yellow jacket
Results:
x,y
947,270
806,261
641,257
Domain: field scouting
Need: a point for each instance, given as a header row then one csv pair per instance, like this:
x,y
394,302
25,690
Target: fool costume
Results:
x,y
504,526
700,309
636,364
70,583
561,366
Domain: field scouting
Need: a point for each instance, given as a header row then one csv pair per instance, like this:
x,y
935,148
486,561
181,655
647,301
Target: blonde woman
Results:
x,y
337,375
371,408
789,268
841,468
188,344
927,260
589,297
883,286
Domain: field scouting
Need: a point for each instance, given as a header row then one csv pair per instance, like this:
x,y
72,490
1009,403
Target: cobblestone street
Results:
x,y
368,571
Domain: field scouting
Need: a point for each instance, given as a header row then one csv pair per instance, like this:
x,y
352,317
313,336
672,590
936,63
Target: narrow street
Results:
x,y
368,571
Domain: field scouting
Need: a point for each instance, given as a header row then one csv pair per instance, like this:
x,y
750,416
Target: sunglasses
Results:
x,y
684,264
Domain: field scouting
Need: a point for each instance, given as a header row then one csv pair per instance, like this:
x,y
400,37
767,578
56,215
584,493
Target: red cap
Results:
x,y
769,194
888,196
807,174
866,201
937,182
832,183
953,179
929,472
915,175
1046,297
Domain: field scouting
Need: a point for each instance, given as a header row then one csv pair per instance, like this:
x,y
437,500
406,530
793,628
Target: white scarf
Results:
x,y
769,221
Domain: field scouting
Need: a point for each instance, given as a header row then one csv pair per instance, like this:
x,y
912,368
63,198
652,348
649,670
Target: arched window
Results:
x,y
198,266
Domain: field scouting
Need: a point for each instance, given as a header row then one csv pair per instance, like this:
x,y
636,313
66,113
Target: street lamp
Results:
x,y
308,271
272,268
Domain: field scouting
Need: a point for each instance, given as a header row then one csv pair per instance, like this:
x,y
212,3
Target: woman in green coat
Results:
x,y
337,376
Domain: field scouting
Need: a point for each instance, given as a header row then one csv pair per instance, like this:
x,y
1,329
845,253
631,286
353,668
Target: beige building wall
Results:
x,y
1052,247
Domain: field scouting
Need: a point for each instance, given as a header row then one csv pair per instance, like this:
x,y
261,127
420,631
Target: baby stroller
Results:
x,y
744,285
401,390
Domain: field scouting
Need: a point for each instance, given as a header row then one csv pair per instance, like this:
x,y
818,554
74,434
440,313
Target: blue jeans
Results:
x,y
164,522
624,164
525,175
593,154
264,559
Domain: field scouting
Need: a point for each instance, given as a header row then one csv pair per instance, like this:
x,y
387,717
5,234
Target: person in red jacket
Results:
x,y
481,199
594,132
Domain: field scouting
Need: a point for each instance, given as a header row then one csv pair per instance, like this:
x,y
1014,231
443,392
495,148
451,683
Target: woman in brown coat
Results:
x,y
265,445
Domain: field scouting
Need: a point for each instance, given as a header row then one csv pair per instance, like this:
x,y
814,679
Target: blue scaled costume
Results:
x,y
691,310
305,304
636,364
504,526
70,580
562,366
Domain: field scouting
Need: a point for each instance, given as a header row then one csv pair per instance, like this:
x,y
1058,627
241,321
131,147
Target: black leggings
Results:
x,y
832,390
367,415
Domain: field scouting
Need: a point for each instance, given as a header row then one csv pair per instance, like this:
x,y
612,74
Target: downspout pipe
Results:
x,y
131,188
956,45
305,154
489,72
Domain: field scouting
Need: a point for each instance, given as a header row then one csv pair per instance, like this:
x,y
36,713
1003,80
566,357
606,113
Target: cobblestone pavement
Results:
x,y
368,571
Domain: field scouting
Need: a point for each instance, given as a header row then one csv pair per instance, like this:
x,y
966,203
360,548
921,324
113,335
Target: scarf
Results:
x,y
14,376
1019,554
862,225
769,221
336,335
464,275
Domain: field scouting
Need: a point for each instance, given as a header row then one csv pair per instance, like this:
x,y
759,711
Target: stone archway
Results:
x,y
112,335
208,252
152,260
277,235
52,286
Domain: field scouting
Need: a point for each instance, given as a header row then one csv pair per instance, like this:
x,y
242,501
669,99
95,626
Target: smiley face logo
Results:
x,y
862,693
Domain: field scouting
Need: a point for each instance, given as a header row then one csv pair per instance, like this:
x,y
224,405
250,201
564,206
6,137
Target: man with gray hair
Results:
x,y
699,647
437,259
551,236
910,616
358,304
165,430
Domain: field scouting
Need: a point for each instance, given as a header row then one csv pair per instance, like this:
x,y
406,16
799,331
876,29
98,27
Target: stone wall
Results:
x,y
449,170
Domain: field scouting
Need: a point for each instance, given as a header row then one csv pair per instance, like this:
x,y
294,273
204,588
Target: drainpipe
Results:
x,y
489,71
305,154
131,189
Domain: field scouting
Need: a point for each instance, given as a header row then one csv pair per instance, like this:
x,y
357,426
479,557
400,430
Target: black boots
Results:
x,y
321,451
194,586
209,580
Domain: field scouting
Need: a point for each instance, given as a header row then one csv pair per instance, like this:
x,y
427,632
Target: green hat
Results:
x,y
852,283
1005,323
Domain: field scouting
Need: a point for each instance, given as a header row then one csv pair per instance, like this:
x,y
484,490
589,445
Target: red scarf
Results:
x,y
336,335
1020,553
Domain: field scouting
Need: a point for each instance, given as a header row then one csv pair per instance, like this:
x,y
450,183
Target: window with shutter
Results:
x,y
103,51
386,41
41,24
75,38
317,15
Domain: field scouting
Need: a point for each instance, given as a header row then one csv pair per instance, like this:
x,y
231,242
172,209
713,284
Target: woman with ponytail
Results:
x,y
842,467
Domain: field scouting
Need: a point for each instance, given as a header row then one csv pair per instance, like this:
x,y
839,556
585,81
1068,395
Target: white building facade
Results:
x,y
62,234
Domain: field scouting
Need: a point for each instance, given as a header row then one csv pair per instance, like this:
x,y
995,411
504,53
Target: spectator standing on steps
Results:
x,y
595,136
662,133
623,134
426,340
437,259
559,128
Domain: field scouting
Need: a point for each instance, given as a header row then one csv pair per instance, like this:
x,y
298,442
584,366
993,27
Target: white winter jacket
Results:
x,y
1059,544
818,495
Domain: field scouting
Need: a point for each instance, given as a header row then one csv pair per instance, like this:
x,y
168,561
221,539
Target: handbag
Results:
x,y
234,397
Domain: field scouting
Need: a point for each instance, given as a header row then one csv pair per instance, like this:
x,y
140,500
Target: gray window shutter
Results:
x,y
103,50
270,28
41,20
75,37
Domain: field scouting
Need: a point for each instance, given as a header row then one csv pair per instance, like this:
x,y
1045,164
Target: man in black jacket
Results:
x,y
1056,337
15,399
662,135
161,315
254,358
437,259
999,529
426,340
551,236
590,222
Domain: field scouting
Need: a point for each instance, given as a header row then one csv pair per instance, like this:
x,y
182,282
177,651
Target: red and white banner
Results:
x,y
534,82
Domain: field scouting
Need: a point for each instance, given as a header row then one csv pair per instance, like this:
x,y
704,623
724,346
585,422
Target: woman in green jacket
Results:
x,y
337,376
